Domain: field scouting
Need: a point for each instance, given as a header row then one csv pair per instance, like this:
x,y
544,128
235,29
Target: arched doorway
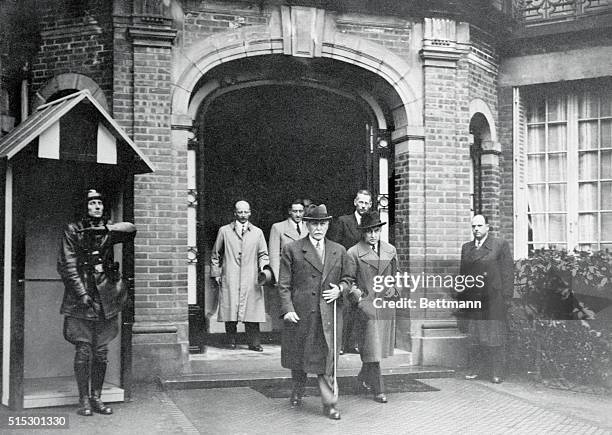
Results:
x,y
269,140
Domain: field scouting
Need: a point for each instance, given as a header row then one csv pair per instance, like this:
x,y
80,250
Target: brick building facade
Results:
x,y
448,84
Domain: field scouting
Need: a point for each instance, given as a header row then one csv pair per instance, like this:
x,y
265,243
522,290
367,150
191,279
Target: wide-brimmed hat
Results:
x,y
317,213
370,219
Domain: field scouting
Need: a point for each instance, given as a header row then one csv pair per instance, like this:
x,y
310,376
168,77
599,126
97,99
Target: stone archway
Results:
x,y
299,32
302,32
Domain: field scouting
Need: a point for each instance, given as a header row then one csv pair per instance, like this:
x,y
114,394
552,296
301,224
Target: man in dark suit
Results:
x,y
345,232
313,283
488,257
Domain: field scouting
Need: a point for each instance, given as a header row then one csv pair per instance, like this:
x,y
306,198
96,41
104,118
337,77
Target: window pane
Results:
x,y
587,197
536,110
588,105
537,142
587,135
606,134
536,168
557,197
606,102
606,164
557,138
606,226
557,230
587,166
557,165
606,195
556,108
538,227
587,227
537,198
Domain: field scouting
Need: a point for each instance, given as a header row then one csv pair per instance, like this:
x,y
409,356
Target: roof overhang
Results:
x,y
44,126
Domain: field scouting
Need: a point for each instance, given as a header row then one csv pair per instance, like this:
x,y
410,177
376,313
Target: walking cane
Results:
x,y
335,384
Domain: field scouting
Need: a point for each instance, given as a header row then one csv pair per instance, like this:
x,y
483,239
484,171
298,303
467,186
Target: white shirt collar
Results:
x,y
314,242
481,242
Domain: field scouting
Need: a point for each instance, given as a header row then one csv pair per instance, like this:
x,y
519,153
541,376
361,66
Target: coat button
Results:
x,y
314,293
312,311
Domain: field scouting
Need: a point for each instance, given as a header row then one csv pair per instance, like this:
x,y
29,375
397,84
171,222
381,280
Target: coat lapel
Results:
x,y
354,231
367,255
290,230
386,256
331,258
310,255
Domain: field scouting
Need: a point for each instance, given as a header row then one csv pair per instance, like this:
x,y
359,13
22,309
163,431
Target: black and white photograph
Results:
x,y
306,216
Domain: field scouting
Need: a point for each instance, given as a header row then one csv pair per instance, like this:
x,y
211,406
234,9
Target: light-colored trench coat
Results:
x,y
238,260
377,325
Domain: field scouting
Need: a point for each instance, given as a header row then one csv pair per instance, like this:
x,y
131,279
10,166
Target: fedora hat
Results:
x,y
370,219
266,277
93,194
317,213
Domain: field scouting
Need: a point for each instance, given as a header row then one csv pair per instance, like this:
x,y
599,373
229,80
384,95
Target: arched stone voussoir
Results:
x,y
65,81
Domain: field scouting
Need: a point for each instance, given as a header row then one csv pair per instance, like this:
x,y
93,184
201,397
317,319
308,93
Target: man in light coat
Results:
x,y
345,232
282,233
313,274
372,258
239,254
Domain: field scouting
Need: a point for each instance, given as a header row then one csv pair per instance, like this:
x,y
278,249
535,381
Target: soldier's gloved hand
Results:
x,y
94,230
86,300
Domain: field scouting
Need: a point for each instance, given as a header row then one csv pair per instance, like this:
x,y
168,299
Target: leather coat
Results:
x,y
86,265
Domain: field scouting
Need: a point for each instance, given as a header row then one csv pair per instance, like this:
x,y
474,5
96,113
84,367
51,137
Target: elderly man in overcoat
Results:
x,y
239,254
490,258
313,275
93,297
372,257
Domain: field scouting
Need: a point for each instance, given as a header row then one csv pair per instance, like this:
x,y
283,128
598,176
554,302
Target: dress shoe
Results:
x,y
364,388
84,407
353,350
256,347
295,400
98,406
497,380
380,398
341,351
331,412
472,376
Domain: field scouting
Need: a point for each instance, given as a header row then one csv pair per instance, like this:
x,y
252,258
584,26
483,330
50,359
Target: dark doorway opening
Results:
x,y
268,145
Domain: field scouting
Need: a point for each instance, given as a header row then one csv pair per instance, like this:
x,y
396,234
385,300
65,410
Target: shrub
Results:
x,y
550,332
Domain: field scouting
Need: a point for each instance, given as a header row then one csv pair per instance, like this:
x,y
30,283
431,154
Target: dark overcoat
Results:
x,y
302,280
377,340
493,262
345,232
79,251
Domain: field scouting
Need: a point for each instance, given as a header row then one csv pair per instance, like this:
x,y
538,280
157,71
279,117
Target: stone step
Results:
x,y
222,368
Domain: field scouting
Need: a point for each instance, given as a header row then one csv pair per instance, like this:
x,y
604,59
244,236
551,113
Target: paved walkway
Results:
x,y
459,407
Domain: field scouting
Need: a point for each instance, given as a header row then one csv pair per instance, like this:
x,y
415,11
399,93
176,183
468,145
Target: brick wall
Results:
x,y
75,40
160,205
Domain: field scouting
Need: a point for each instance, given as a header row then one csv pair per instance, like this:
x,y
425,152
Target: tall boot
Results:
x,y
98,372
81,373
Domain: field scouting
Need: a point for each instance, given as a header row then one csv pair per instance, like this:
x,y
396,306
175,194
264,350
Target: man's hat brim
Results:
x,y
376,225
328,218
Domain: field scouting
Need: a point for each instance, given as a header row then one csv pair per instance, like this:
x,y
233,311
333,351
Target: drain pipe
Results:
x,y
24,91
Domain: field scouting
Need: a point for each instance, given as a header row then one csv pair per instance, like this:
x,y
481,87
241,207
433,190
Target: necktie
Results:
x,y
374,249
297,226
320,250
243,230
